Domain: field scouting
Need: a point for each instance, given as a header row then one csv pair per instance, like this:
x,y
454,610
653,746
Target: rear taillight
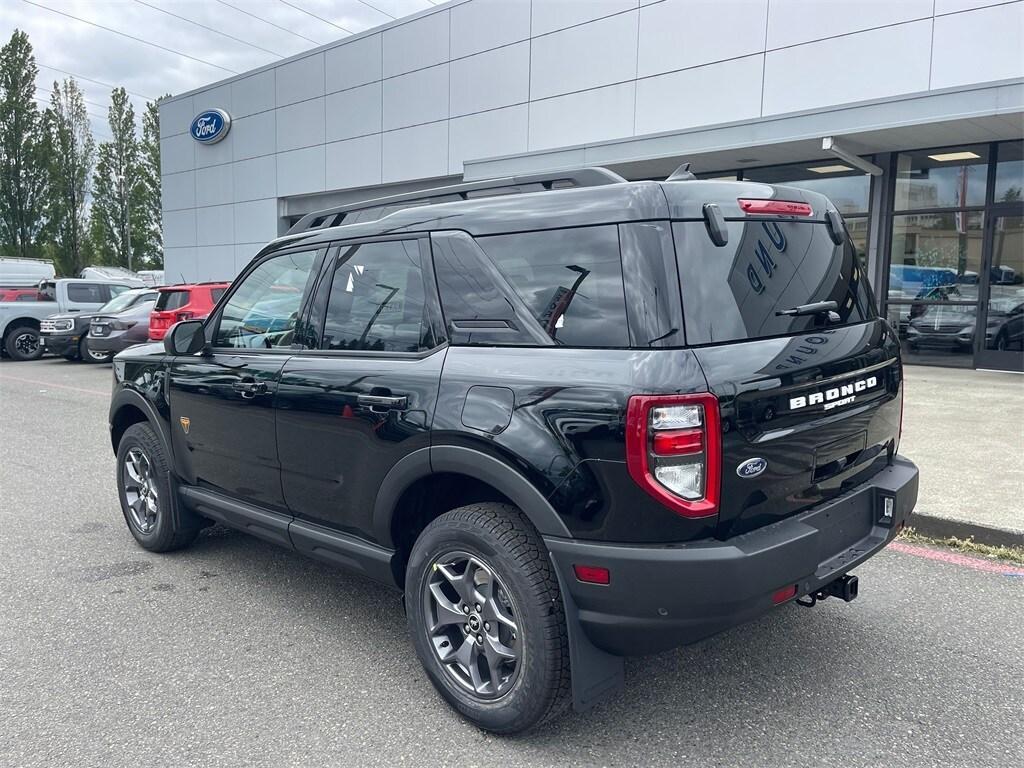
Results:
x,y
673,450
180,316
774,207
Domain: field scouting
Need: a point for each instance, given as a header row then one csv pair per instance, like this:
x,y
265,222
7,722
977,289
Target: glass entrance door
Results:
x,y
1001,325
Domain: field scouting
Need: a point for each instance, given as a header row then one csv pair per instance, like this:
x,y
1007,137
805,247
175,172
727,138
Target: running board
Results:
x,y
310,539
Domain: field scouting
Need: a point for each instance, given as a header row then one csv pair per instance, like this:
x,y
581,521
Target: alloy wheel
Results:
x,y
471,622
27,343
140,490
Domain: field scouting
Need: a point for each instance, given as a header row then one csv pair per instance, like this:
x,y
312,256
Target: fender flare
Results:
x,y
464,461
129,397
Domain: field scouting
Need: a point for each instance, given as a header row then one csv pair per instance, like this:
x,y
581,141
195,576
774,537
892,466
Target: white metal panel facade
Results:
x,y
417,98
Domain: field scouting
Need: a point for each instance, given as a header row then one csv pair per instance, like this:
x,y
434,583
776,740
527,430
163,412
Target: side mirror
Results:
x,y
185,338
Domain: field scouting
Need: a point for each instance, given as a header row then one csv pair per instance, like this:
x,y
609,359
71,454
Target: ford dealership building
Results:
x,y
909,114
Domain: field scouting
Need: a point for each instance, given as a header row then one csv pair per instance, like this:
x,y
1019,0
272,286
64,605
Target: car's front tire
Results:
x,y
487,618
154,517
23,343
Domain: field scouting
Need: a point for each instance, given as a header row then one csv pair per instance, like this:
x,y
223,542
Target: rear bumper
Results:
x,y
664,596
117,343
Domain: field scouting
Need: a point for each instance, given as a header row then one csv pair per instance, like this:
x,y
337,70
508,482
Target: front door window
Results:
x,y
264,310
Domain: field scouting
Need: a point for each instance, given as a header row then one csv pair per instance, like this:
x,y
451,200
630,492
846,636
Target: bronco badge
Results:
x,y
185,422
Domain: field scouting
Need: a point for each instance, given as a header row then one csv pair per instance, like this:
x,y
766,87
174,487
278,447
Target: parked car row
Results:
x,y
95,318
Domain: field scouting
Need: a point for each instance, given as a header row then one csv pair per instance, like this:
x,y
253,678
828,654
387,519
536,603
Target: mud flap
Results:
x,y
596,675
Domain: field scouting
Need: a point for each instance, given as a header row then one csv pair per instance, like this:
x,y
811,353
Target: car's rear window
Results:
x,y
168,300
733,292
216,293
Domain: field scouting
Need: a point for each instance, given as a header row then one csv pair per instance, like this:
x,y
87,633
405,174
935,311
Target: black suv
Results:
x,y
574,418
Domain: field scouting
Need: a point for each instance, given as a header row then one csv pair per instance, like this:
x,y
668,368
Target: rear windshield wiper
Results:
x,y
817,308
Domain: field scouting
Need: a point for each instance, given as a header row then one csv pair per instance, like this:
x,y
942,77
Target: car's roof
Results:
x,y
573,207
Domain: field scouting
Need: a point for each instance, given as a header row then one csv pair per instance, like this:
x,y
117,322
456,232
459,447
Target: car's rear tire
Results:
x,y
22,343
487,562
155,518
88,355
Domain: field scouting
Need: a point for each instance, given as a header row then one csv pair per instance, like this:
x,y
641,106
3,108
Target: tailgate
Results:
x,y
821,409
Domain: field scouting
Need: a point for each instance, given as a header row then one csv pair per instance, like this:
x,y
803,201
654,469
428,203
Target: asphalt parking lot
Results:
x,y
235,652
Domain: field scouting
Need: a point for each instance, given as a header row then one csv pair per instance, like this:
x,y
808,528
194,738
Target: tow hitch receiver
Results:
x,y
844,587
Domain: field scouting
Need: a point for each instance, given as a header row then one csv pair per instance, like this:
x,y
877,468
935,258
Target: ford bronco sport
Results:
x,y
573,418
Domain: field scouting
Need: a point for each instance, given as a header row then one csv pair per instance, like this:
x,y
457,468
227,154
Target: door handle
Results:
x,y
250,389
383,402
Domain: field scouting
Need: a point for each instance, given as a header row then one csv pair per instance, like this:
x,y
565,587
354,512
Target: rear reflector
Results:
x,y
774,207
679,442
592,574
784,594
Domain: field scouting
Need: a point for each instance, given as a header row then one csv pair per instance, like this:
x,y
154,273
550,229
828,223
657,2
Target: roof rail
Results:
x,y
510,185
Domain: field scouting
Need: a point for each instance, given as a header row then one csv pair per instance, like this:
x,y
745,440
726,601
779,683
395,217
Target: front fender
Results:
x,y
152,405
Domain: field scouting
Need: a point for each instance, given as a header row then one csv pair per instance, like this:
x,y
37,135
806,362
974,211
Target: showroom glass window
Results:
x,y
936,252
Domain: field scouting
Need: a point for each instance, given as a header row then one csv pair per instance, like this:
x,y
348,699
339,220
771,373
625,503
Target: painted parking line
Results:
x,y
52,385
954,558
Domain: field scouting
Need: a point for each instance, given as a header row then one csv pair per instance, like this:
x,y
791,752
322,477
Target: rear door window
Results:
x,y
377,300
571,279
734,292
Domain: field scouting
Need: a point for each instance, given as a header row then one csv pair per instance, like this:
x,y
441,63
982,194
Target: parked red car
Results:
x,y
19,294
183,302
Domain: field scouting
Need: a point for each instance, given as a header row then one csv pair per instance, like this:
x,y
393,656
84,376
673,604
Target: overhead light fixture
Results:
x,y
830,145
945,157
830,169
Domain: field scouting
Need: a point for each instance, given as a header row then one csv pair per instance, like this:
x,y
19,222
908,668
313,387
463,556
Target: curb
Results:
x,y
943,527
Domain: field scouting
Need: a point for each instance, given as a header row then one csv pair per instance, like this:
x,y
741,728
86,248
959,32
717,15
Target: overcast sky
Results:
x,y
148,72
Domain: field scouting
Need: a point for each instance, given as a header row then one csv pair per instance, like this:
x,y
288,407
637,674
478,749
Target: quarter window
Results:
x,y
571,279
377,301
263,311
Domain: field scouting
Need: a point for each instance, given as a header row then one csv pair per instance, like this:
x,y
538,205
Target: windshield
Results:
x,y
119,302
734,292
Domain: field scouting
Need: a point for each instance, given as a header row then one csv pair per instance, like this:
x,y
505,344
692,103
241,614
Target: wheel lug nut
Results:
x,y
465,628
477,606
487,626
479,640
465,609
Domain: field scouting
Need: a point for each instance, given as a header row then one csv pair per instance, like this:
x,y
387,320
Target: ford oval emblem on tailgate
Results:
x,y
752,467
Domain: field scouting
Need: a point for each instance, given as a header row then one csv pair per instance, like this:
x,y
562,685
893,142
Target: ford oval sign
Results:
x,y
210,126
752,467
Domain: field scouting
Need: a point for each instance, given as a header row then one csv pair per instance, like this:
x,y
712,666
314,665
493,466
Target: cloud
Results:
x,y
104,56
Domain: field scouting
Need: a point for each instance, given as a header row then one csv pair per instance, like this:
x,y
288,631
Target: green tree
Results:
x,y
71,153
22,151
119,227
151,250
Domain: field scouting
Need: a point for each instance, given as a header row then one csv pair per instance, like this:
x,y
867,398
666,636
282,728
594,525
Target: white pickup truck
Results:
x,y
19,320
